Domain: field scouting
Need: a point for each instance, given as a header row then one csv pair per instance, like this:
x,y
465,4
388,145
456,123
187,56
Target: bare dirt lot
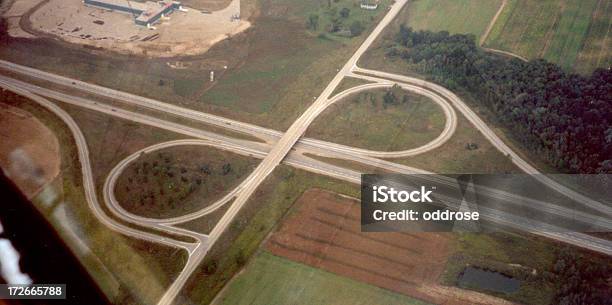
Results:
x,y
29,151
210,5
324,232
182,33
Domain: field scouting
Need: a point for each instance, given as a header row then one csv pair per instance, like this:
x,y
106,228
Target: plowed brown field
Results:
x,y
325,233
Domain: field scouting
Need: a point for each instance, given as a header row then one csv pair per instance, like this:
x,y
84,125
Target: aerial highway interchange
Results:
x,y
277,147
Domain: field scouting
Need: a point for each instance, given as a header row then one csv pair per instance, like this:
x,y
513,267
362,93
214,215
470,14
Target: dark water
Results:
x,y
43,255
487,280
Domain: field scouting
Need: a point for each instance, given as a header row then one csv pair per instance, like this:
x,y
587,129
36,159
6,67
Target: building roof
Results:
x,y
140,6
154,9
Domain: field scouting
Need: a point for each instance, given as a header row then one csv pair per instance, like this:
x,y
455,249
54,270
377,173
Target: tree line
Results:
x,y
563,116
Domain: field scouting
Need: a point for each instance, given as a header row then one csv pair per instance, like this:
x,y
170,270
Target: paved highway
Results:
x,y
89,186
268,135
260,150
242,146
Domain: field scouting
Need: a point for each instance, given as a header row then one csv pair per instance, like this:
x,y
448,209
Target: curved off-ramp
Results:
x,y
89,186
373,75
111,180
450,124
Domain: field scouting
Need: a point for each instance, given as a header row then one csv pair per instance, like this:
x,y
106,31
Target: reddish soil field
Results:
x,y
29,151
324,232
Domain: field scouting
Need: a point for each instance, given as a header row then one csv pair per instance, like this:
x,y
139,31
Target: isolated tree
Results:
x,y
345,12
313,22
373,100
335,24
389,98
210,267
227,168
356,28
205,169
240,258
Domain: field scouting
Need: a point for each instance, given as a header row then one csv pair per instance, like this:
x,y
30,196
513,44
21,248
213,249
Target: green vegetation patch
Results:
x,y
525,258
337,18
289,55
386,120
550,273
453,16
571,33
270,280
468,151
178,180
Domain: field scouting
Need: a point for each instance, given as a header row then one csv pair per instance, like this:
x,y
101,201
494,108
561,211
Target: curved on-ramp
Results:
x,y
450,124
114,205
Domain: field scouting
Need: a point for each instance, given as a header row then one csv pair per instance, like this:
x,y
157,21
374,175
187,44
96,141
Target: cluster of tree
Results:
x,y
337,22
582,281
565,117
160,181
3,30
392,97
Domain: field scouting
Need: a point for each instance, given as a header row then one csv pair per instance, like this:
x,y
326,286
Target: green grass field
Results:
x,y
365,121
288,63
272,280
512,254
454,16
571,33
262,213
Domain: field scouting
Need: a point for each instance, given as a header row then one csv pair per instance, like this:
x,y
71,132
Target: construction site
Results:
x,y
156,29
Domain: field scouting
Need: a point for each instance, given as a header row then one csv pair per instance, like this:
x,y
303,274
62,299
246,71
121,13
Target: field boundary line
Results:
x,y
487,32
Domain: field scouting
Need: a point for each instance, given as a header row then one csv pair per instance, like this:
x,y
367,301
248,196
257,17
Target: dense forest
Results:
x,y
582,281
565,117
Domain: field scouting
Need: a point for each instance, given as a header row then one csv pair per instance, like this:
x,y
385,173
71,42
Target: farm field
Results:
x,y
323,231
179,180
25,140
273,280
571,33
454,16
244,237
365,120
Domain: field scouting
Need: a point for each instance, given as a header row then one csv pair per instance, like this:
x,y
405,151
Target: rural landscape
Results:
x,y
214,151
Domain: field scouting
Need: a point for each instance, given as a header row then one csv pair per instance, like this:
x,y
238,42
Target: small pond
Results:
x,y
478,278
